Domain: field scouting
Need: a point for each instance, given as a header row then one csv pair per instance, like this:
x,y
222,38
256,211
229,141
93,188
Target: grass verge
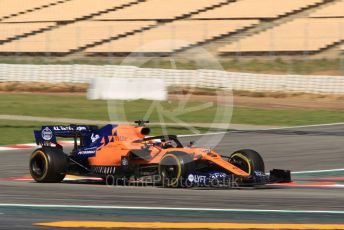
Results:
x,y
78,107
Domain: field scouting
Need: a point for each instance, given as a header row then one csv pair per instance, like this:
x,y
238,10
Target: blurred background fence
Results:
x,y
307,33
176,78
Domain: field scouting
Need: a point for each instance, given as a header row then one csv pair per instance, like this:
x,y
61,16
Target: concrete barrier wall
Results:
x,y
172,77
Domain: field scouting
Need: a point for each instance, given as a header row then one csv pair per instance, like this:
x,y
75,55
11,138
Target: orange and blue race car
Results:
x,y
125,153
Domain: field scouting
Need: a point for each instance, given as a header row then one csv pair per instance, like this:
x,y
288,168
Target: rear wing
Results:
x,y
48,134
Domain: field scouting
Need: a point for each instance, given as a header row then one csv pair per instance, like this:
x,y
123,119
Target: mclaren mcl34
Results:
x,y
126,153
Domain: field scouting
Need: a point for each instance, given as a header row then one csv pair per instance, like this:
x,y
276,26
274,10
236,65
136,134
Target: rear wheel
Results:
x,y
174,168
48,165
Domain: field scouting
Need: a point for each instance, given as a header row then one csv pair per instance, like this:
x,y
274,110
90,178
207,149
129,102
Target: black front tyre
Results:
x,y
251,162
48,165
248,160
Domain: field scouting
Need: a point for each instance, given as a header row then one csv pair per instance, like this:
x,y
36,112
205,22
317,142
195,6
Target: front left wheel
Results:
x,y
251,162
248,160
48,165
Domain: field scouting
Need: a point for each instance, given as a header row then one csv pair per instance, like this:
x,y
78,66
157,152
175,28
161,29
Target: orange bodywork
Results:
x,y
126,138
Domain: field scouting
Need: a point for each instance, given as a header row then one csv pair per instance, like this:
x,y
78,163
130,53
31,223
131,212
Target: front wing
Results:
x,y
221,179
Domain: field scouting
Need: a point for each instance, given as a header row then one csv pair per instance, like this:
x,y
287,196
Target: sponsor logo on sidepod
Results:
x,y
197,178
200,179
191,177
85,152
94,137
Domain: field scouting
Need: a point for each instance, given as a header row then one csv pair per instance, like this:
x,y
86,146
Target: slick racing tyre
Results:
x,y
48,165
248,160
174,168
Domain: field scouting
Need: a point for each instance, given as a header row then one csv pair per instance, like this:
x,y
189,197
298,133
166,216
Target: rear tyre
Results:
x,y
174,168
248,160
48,165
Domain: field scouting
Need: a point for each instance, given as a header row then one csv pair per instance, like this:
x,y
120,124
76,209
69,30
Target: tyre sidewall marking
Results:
x,y
40,152
179,167
240,155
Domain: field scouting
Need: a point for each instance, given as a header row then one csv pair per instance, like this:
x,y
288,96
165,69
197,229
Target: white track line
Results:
x,y
279,128
335,186
169,208
303,126
5,148
202,134
318,171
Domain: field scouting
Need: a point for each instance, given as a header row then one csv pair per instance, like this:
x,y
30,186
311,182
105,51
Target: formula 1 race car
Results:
x,y
124,153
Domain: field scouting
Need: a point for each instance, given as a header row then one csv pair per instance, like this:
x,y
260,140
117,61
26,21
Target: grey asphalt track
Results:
x,y
298,149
